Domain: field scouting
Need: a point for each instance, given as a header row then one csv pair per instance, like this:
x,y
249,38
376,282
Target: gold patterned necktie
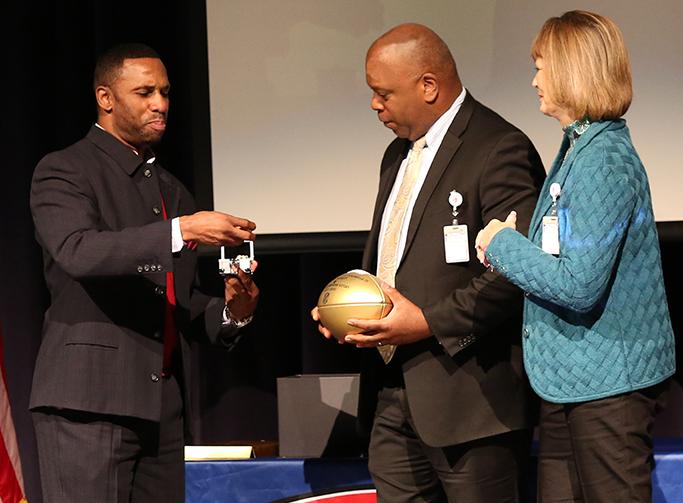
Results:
x,y
388,256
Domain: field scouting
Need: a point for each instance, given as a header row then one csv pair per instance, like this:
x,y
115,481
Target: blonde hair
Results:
x,y
587,65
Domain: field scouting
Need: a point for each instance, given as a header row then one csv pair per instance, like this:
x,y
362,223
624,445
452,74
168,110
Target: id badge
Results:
x,y
455,244
550,238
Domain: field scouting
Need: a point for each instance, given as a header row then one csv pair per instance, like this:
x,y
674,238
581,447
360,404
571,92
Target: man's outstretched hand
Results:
x,y
216,228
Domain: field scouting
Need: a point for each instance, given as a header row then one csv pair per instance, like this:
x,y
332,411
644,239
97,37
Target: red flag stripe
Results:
x,y
11,483
10,489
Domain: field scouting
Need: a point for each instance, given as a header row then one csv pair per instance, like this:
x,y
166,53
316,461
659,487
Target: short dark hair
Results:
x,y
110,62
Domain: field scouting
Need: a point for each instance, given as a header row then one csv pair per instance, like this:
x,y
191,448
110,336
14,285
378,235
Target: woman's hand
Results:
x,y
487,233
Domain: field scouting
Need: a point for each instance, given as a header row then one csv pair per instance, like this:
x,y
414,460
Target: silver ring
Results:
x,y
379,343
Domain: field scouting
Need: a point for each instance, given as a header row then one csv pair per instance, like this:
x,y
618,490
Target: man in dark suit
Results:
x,y
110,388
445,395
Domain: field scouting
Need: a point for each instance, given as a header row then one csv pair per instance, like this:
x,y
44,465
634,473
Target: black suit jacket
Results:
x,y
97,209
466,381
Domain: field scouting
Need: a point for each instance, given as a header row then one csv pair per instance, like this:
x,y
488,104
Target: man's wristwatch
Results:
x,y
229,319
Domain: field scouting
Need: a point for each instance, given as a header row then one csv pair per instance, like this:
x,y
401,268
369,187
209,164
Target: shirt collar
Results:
x,y
436,133
574,130
124,156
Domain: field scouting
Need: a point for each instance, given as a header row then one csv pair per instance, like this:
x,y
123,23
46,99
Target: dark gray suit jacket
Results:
x,y
106,247
467,381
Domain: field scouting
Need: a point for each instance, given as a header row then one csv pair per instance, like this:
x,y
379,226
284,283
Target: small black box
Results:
x,y
317,415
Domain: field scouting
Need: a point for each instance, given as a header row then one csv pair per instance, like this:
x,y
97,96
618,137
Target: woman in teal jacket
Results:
x,y
598,343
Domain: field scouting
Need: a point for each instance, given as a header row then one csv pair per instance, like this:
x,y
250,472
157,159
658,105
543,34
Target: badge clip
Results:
x,y
455,200
555,191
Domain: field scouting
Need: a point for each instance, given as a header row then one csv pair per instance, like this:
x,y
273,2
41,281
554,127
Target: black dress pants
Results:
x,y
94,458
599,451
406,470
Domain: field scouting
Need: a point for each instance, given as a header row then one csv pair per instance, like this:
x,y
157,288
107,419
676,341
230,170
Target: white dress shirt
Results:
x,y
434,136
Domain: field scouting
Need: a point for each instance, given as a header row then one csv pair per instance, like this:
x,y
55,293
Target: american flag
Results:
x,y
11,481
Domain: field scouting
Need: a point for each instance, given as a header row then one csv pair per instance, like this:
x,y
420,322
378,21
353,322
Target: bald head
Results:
x,y
419,49
413,77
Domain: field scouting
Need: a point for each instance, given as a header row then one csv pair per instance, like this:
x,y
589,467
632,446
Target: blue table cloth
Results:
x,y
267,480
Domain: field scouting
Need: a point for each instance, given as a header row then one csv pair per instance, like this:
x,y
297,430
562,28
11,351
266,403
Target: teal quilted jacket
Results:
x,y
596,321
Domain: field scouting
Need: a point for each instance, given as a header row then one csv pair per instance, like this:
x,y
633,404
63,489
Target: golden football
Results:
x,y
355,294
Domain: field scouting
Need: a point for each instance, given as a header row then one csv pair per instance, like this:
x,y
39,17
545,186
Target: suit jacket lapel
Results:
x,y
449,146
544,199
386,182
170,193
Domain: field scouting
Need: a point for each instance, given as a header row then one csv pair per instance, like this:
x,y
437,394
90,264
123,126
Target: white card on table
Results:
x,y
455,244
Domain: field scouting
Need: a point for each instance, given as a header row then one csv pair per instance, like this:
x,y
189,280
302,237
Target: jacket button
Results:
x,y
159,290
526,333
160,268
526,294
140,269
156,210
148,173
146,267
154,377
153,267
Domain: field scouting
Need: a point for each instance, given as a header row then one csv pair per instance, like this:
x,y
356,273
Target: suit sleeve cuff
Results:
x,y
228,320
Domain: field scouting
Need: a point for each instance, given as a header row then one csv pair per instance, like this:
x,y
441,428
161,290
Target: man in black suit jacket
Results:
x,y
110,386
449,411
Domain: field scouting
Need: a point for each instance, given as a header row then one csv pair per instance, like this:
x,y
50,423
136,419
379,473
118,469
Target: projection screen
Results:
x,y
296,147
